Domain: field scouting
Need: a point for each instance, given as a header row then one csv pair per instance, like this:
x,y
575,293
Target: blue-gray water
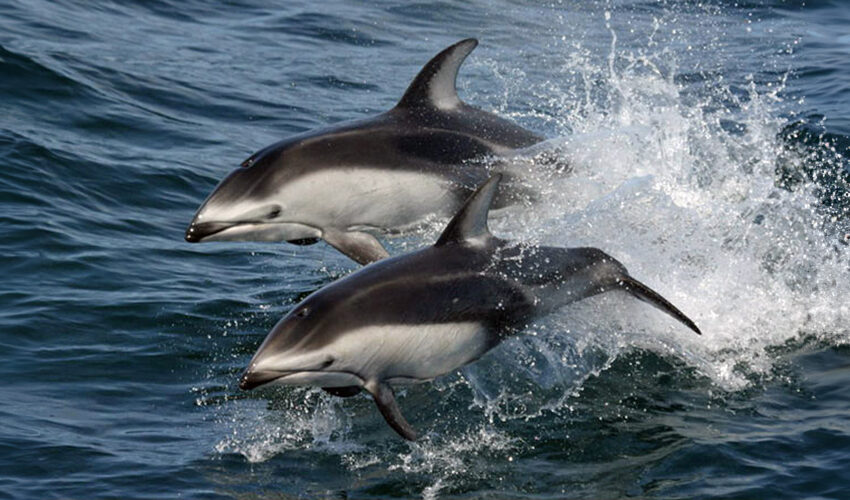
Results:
x,y
708,142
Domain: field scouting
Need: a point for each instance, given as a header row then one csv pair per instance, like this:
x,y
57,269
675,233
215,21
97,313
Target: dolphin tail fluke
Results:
x,y
646,294
385,399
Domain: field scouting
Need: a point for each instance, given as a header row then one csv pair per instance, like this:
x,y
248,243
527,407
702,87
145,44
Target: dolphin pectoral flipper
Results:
x,y
385,399
360,247
650,296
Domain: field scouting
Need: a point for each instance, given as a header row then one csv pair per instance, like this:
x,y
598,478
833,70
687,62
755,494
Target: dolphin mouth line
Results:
x,y
252,380
200,231
197,231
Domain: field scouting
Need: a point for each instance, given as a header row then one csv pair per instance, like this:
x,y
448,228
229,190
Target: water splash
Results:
x,y
684,189
306,420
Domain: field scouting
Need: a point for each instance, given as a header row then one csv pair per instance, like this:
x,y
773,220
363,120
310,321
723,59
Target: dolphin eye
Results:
x,y
274,212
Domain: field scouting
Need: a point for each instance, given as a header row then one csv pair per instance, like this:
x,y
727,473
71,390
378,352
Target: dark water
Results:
x,y
709,144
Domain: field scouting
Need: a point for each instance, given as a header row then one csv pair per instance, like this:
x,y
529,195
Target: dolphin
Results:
x,y
417,316
380,175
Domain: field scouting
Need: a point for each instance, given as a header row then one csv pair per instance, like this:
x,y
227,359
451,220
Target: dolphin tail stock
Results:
x,y
385,399
650,296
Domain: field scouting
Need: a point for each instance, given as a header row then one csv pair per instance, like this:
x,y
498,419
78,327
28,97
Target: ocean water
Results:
x,y
707,144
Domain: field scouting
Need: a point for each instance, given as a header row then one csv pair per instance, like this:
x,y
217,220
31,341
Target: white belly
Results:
x,y
348,198
409,352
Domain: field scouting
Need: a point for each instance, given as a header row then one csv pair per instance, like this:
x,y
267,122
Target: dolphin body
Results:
x,y
417,316
379,175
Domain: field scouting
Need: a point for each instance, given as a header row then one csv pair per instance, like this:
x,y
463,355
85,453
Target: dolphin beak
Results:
x,y
197,231
251,379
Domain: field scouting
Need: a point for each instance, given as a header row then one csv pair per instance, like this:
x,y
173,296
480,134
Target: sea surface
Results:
x,y
708,147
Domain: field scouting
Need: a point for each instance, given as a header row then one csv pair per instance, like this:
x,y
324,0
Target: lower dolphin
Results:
x,y
420,315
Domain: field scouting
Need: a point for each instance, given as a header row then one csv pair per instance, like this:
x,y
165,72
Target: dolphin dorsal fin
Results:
x,y
434,86
470,223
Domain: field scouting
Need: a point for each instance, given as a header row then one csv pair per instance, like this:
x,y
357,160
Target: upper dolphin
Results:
x,y
423,314
382,174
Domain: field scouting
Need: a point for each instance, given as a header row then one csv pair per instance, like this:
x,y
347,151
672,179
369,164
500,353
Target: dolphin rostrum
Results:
x,y
417,316
384,174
